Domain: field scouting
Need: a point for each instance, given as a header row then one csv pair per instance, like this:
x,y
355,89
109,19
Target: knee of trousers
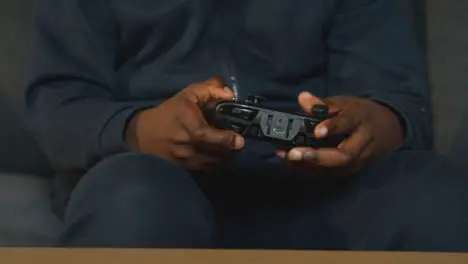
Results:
x,y
407,200
138,200
422,197
434,208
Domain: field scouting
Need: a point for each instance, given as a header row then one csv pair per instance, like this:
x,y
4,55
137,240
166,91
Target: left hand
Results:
x,y
373,130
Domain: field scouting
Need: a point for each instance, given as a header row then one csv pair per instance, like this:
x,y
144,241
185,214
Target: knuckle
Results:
x,y
349,159
214,82
192,87
191,92
186,93
182,153
180,137
346,121
200,134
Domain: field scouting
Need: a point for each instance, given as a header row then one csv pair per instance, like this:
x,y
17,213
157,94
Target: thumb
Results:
x,y
211,89
308,100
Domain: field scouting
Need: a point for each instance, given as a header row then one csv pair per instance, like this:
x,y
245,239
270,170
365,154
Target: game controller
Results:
x,y
252,120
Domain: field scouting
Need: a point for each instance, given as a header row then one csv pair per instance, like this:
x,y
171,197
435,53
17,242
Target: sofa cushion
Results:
x,y
448,60
18,149
26,214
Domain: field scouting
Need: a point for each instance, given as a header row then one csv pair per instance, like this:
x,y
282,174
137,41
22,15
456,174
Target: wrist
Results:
x,y
131,131
397,122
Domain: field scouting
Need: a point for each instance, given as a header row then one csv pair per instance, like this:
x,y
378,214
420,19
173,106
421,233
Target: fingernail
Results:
x,y
239,142
295,155
322,131
281,154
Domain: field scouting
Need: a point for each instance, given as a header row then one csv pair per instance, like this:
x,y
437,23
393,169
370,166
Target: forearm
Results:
x,y
374,54
72,102
76,132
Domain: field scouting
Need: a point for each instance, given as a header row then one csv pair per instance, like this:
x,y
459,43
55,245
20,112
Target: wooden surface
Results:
x,y
94,256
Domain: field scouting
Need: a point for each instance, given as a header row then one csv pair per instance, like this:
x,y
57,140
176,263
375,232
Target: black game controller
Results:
x,y
285,130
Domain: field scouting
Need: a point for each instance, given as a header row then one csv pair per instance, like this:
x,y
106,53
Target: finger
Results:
x,y
191,119
342,124
215,82
219,138
212,89
202,163
212,149
326,158
281,153
192,160
308,100
335,104
356,144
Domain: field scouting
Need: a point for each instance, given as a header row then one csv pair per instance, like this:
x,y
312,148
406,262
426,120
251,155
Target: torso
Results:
x,y
275,48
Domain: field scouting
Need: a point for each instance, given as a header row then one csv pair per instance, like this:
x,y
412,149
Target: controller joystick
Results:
x,y
320,111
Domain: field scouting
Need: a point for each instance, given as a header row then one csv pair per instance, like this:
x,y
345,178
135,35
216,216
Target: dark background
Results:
x,y
443,28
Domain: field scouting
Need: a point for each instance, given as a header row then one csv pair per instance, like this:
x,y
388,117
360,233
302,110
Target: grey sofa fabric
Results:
x,y
18,149
448,60
19,152
26,218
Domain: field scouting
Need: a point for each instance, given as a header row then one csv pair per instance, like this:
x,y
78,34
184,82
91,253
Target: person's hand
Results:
x,y
373,130
177,130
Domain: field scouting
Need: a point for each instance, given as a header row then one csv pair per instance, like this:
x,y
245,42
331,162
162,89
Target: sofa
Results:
x,y
26,218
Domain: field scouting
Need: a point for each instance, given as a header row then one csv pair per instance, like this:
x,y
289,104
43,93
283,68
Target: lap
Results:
x,y
26,216
405,200
132,182
136,200
388,205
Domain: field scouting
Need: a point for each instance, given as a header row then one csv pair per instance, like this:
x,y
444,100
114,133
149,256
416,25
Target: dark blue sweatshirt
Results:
x,y
97,62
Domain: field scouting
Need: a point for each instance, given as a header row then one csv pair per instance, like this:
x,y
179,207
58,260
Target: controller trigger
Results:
x,y
255,100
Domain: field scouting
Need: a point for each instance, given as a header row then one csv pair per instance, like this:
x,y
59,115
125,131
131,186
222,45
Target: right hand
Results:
x,y
177,130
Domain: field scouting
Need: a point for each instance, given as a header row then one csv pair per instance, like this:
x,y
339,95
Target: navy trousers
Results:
x,y
411,200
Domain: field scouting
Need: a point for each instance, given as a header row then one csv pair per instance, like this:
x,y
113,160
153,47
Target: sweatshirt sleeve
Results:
x,y
71,98
373,53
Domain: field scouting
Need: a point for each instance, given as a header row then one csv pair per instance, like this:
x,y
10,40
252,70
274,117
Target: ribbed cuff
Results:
x,y
112,136
409,112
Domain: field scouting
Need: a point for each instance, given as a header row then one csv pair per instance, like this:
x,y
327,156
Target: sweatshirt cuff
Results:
x,y
413,118
111,139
